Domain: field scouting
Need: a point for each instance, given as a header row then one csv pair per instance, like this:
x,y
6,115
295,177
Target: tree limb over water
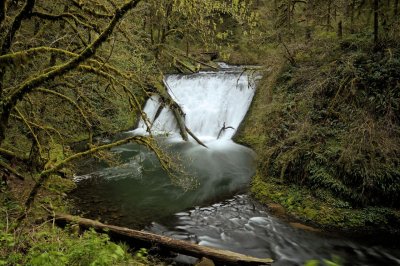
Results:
x,y
224,257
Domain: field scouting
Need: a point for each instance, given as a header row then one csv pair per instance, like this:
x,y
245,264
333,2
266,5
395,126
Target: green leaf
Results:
x,y
312,263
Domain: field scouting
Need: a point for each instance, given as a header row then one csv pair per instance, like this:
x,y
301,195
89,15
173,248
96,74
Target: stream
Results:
x,y
137,193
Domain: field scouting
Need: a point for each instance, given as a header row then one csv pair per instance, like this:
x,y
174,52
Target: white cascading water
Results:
x,y
210,101
137,193
139,184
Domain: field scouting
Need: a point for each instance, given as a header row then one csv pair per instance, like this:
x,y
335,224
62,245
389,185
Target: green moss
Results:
x,y
322,208
324,131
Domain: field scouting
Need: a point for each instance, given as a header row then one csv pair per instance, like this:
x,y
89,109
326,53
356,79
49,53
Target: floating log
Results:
x,y
184,247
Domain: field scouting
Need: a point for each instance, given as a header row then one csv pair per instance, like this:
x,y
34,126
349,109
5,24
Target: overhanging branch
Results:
x,y
44,175
29,85
31,131
73,103
9,37
63,16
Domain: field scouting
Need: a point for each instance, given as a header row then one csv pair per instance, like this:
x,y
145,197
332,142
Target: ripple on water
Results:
x,y
243,226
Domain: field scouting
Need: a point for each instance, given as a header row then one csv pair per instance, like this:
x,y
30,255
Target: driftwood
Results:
x,y
217,255
223,129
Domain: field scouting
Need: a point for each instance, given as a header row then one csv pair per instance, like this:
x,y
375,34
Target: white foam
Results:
x,y
209,101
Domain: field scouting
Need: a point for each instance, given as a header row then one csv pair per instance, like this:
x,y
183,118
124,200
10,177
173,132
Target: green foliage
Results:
x,y
44,244
91,249
327,133
53,246
182,30
312,263
336,128
336,261
141,255
60,185
322,207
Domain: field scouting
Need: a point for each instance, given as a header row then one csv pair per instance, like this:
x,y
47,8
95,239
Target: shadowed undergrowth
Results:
x,y
328,124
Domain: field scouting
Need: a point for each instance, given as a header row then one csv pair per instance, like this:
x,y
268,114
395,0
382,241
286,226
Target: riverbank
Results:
x,y
324,129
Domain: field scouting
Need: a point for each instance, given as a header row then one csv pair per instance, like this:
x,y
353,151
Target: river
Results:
x,y
137,193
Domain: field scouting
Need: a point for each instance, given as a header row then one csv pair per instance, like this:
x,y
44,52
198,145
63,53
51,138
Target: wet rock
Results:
x,y
205,262
277,209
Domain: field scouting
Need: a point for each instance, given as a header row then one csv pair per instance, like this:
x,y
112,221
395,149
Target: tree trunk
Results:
x,y
352,10
4,116
396,8
340,30
2,11
328,16
187,47
217,255
376,22
181,122
289,15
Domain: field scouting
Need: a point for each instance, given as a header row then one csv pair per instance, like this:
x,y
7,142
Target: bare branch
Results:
x,y
41,127
12,170
73,103
90,11
30,84
63,16
10,155
9,37
31,130
44,175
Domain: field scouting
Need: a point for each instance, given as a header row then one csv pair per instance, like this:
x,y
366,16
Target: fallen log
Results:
x,y
178,114
181,122
174,107
184,247
194,137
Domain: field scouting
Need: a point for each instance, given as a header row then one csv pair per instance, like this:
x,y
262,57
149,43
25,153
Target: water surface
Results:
x,y
137,193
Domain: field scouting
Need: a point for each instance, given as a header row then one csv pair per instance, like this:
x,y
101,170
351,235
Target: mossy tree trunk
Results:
x,y
376,22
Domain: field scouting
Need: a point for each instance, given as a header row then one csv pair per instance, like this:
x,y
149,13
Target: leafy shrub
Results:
x,y
89,249
56,246
335,125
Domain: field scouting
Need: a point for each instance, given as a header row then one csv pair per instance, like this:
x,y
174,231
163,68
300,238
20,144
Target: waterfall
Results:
x,y
214,103
141,188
